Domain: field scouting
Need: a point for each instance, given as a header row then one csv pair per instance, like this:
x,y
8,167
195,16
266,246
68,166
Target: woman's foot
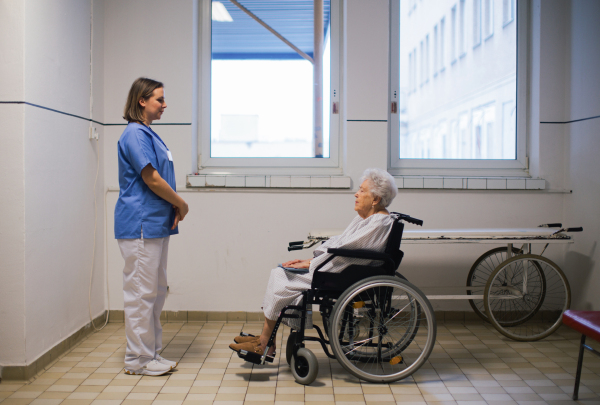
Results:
x,y
245,339
252,346
263,342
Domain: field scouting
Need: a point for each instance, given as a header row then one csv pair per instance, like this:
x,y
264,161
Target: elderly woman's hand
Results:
x,y
297,264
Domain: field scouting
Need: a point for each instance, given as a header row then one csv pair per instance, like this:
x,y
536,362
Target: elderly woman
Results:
x,y
368,230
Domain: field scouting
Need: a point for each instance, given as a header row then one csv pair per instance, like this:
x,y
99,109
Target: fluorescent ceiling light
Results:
x,y
220,13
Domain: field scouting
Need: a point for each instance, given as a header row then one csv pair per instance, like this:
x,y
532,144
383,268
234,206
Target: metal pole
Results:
x,y
277,34
579,366
318,79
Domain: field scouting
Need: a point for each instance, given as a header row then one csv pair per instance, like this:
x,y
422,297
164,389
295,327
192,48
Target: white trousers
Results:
x,y
144,291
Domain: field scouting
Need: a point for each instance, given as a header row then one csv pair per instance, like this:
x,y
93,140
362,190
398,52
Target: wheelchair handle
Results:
x,y
296,243
295,247
578,229
408,218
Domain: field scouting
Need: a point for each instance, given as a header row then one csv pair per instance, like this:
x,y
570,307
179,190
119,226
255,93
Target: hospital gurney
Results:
x,y
521,293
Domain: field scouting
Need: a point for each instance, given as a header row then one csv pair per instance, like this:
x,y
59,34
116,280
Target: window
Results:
x,y
476,23
471,118
462,45
435,51
442,48
453,36
427,53
488,19
414,77
268,96
508,11
422,53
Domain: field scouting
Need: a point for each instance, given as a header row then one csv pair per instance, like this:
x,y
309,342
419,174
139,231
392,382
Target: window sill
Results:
x,y
470,183
257,181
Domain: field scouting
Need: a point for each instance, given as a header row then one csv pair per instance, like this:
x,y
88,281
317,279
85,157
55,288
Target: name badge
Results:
x,y
169,155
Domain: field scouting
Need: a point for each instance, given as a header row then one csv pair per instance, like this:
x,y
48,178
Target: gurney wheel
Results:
x,y
480,272
397,329
305,366
531,313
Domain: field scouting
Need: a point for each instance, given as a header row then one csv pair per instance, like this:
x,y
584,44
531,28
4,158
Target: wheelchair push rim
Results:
x,y
396,332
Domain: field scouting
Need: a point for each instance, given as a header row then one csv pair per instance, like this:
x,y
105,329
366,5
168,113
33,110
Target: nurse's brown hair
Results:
x,y
142,88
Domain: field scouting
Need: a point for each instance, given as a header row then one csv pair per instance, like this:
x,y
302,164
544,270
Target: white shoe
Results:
x,y
153,368
166,362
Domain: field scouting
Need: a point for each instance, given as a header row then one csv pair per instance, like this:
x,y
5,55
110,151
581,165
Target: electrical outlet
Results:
x,y
93,133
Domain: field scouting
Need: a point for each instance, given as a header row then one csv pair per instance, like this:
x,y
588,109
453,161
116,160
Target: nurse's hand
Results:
x,y
183,210
178,216
176,222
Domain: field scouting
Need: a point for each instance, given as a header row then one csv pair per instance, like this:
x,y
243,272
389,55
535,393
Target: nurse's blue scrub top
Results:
x,y
138,207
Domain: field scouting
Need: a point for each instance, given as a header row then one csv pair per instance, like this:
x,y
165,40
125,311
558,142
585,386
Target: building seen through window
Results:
x,y
467,108
262,89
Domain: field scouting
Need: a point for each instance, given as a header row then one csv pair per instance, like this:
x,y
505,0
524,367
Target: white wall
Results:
x,y
12,198
231,239
582,139
52,171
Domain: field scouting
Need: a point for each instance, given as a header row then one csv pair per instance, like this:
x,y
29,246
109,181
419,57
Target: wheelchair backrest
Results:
x,y
395,238
356,272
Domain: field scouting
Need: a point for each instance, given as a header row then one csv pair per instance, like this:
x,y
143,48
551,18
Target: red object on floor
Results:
x,y
584,322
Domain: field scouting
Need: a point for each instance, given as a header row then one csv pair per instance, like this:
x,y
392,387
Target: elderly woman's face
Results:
x,y
364,199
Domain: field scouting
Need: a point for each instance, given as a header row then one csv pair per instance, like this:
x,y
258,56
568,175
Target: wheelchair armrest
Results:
x,y
362,254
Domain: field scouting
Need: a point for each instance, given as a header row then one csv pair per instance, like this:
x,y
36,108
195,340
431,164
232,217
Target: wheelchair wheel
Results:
x,y
305,366
382,329
479,274
526,296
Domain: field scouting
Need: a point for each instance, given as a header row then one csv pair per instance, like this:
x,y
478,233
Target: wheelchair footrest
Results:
x,y
253,357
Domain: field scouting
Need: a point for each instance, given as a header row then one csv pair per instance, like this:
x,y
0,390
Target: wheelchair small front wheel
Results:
x,y
305,366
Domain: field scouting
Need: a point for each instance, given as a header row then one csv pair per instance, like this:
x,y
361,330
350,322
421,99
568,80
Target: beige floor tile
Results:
x,y
54,395
409,398
17,401
46,401
470,365
201,397
77,402
136,402
24,394
107,402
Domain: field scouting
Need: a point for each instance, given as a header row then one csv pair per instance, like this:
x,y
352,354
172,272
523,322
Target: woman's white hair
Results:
x,y
382,185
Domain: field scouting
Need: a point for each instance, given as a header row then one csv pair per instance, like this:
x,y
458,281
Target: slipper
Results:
x,y
245,339
252,346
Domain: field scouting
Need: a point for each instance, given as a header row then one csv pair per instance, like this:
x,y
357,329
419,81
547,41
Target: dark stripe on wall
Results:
x,y
80,117
366,120
568,122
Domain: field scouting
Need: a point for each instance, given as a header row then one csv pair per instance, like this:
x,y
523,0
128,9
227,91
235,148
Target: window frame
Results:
x,y
459,167
203,163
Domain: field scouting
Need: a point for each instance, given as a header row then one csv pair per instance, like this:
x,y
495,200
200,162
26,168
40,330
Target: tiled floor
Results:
x,y
471,364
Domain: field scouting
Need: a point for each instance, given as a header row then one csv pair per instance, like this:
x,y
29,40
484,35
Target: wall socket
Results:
x,y
93,133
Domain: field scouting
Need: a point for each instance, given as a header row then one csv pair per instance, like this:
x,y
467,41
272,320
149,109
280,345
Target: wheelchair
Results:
x,y
379,326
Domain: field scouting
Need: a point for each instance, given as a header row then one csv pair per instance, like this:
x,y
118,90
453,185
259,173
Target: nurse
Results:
x,y
146,214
